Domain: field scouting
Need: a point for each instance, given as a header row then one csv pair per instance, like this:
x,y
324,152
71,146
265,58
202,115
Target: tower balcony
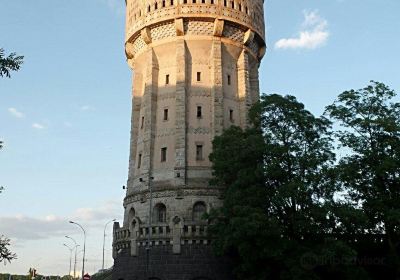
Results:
x,y
174,234
248,14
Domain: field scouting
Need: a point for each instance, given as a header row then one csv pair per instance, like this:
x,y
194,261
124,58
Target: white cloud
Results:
x,y
24,228
16,113
313,33
38,126
87,108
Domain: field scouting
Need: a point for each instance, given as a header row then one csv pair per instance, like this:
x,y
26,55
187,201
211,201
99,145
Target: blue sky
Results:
x,y
65,115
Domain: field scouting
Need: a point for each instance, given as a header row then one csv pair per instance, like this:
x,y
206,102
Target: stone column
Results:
x,y
135,120
149,108
244,94
180,113
217,96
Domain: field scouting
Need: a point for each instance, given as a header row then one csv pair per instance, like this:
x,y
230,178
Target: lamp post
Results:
x,y
70,257
76,249
84,246
150,222
104,239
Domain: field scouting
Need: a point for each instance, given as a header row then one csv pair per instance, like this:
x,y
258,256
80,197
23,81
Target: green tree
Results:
x,y
279,203
370,129
9,63
5,254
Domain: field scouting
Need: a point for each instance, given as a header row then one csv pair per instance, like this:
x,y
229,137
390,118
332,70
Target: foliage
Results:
x,y
279,201
5,254
9,63
370,129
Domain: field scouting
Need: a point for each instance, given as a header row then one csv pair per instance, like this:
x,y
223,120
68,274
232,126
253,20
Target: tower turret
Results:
x,y
195,73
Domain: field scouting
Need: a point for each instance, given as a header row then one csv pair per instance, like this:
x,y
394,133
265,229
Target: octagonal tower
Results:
x,y
195,65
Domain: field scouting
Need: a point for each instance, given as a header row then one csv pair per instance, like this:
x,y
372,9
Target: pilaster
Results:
x,y
149,108
217,95
180,113
244,94
136,104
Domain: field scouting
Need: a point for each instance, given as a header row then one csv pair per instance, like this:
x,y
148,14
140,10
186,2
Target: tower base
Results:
x,y
195,262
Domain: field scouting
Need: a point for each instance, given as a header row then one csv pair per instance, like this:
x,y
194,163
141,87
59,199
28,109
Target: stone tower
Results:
x,y
195,65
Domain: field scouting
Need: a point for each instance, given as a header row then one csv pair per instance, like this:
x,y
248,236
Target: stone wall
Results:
x,y
196,262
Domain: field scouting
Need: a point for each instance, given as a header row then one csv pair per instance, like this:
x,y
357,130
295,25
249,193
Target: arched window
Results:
x,y
160,213
199,209
131,214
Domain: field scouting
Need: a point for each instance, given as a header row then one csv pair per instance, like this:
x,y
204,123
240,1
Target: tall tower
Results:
x,y
195,65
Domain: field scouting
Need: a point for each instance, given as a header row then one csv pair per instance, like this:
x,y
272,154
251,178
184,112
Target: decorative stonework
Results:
x,y
195,66
196,27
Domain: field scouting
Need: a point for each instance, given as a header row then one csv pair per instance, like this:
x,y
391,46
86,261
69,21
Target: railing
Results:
x,y
161,232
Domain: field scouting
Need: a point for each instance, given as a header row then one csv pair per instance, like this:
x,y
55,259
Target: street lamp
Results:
x,y
70,257
151,178
76,247
104,239
84,246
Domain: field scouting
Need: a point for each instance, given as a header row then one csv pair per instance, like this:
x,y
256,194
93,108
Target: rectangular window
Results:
x,y
165,114
199,112
199,152
139,161
163,154
229,79
184,1
203,1
194,1
198,76
142,123
225,3
172,2
167,79
212,1
231,115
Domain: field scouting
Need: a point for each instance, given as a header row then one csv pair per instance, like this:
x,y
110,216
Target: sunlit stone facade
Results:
x,y
195,73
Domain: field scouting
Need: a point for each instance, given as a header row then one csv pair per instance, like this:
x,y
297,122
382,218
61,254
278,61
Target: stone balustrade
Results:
x,y
161,234
253,19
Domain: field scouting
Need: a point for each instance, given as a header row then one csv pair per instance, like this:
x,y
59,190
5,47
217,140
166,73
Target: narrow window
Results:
x,y
247,10
142,123
160,213
194,1
165,114
167,79
212,1
172,2
140,13
199,112
163,154
225,3
163,3
229,79
232,5
203,1
240,7
199,152
148,9
199,209
231,115
155,6
139,161
184,1
198,76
